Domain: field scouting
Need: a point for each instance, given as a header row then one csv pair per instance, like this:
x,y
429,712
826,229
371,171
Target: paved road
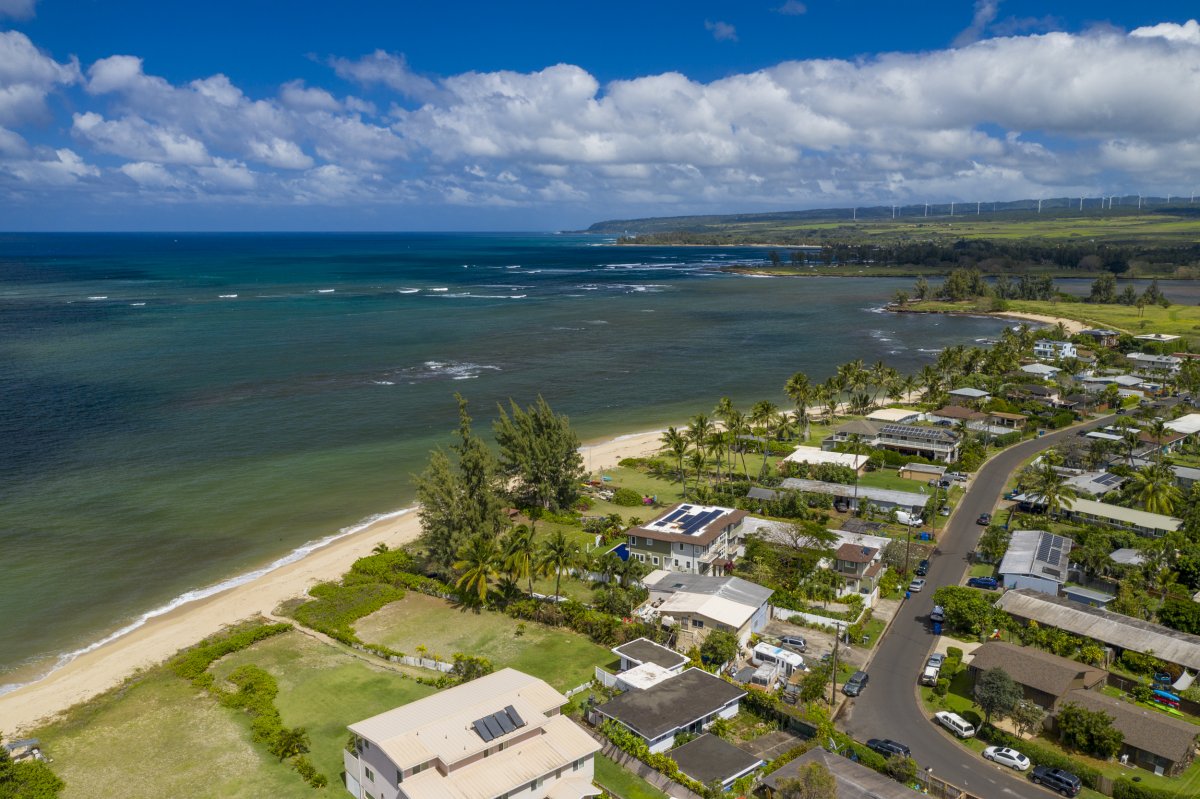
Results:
x,y
889,708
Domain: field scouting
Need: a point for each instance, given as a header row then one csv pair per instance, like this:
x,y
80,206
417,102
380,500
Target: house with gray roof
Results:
x,y
1153,740
933,443
1044,678
709,759
1114,629
883,498
701,603
854,780
1036,560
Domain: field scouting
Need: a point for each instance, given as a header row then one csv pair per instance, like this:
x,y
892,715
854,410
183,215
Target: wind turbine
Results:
x,y
977,204
926,209
951,208
1039,206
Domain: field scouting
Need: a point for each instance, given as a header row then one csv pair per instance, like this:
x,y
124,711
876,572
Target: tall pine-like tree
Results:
x,y
539,454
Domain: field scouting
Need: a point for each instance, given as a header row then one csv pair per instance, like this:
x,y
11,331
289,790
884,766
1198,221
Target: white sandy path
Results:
x,y
97,671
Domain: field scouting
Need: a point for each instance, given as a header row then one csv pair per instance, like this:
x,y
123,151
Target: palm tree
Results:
x,y
520,554
1052,490
608,566
697,461
800,391
477,560
700,433
855,446
737,425
676,443
1159,432
762,416
631,571
558,554
1155,489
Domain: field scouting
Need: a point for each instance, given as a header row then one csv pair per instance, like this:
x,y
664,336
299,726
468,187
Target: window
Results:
x,y
641,558
633,540
680,547
655,560
399,776
676,561
370,774
697,623
648,542
578,764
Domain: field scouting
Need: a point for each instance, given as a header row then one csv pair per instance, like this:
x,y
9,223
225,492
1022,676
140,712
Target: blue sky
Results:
x,y
548,115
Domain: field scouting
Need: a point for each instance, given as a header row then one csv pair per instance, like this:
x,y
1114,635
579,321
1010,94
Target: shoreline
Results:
x,y
161,632
1072,326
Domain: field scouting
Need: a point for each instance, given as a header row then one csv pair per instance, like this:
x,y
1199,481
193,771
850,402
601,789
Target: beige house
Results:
x,y
501,735
700,604
860,566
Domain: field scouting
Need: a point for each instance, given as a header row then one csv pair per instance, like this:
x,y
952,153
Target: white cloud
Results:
x,y
280,153
134,137
18,9
296,95
27,77
985,14
62,167
1188,33
151,175
721,31
792,8
388,69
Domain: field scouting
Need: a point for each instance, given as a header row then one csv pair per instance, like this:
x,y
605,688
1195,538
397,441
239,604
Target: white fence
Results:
x,y
605,679
869,601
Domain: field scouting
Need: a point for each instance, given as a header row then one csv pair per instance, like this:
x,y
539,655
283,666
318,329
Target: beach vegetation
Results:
x,y
193,662
478,563
558,554
626,497
28,778
539,455
335,606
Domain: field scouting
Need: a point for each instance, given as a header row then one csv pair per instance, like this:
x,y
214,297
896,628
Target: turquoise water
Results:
x,y
159,437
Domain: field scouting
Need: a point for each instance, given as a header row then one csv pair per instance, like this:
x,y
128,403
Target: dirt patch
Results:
x,y
772,745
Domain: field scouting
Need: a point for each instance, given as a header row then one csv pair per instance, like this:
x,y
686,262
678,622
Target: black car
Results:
x,y
923,568
984,519
1057,779
887,747
856,683
990,583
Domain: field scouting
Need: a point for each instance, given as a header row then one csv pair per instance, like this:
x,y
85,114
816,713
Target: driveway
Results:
x,y
889,707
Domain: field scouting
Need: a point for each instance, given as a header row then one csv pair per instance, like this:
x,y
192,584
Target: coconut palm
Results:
x,y
1159,432
477,562
700,434
558,554
762,416
737,426
855,446
800,391
519,552
608,566
676,444
697,461
1155,489
631,571
1051,489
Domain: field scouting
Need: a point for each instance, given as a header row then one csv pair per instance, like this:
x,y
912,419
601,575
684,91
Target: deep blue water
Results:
x,y
159,437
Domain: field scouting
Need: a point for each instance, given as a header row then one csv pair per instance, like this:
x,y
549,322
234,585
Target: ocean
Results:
x,y
181,409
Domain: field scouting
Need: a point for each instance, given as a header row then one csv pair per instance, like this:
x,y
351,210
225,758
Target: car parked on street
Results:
x,y
1006,757
1057,779
938,614
887,747
936,660
988,583
922,568
916,585
984,519
855,685
955,723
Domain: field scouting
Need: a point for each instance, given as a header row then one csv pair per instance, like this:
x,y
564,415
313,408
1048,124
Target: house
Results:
x,y
894,415
1086,596
854,780
1012,421
1185,476
1036,560
1188,424
1041,370
1044,678
816,456
702,603
1153,740
1113,629
1144,363
1158,338
641,651
1102,337
1084,403
699,539
860,566
1096,383
499,735
1043,394
884,499
954,414
688,702
932,443
970,395
922,471
1171,442
1053,350
1093,483
1126,556
709,759
1102,513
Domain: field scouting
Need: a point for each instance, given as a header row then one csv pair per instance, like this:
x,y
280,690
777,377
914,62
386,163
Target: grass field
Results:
x,y
159,736
560,657
622,783
1181,320
888,478
322,689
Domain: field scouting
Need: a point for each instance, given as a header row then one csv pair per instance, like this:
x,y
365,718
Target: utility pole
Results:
x,y
837,635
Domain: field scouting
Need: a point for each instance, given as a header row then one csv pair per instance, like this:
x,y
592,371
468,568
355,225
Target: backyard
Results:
x,y
622,783
560,657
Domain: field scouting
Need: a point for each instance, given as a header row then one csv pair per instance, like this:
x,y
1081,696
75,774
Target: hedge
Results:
x,y
334,607
1040,755
1127,789
194,662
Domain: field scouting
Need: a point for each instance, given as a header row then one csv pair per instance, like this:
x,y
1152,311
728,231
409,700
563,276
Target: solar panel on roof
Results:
x,y
515,716
482,730
679,512
493,726
505,722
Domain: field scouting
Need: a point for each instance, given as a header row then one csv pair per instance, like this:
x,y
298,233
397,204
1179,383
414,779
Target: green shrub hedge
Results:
x,y
1040,755
334,607
1127,789
193,663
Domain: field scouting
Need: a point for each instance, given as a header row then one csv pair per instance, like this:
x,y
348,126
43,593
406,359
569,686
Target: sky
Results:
x,y
257,115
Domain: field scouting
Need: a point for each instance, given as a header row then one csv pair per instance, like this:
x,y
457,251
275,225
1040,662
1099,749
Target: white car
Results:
x,y
1006,757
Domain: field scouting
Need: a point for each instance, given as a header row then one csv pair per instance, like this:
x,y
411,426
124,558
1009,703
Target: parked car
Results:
x,y
945,510
793,642
887,747
938,614
929,676
1006,757
936,660
984,519
955,723
916,585
989,583
911,519
959,477
1057,779
855,685
923,568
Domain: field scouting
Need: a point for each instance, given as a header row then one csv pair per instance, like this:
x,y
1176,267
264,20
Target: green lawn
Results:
x,y
323,689
982,570
873,630
560,657
158,736
1182,320
888,478
622,783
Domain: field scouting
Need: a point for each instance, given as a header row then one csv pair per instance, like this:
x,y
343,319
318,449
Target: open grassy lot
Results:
x,y
1182,320
323,688
622,783
889,479
560,657
158,736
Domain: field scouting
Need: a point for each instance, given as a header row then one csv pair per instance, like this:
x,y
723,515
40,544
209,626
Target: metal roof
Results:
x,y
1038,554
818,456
907,499
643,650
709,758
1105,626
1188,423
974,393
734,589
671,704
1127,556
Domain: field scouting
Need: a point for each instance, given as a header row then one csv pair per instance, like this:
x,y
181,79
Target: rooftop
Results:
x,y
1157,337
959,412
1040,369
728,600
907,499
672,704
643,650
1145,729
817,455
854,781
1139,518
972,393
645,676
697,524
1038,554
893,415
1103,625
1188,423
1127,556
1033,667
854,553
1096,483
710,758
928,468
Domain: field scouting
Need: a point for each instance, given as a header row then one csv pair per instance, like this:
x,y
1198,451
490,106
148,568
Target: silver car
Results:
x,y
1006,757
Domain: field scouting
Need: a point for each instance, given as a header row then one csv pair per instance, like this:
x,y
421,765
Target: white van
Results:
x,y
956,724
769,655
904,517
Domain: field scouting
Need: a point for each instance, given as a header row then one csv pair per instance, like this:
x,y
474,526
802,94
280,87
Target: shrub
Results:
x,y
626,497
193,663
335,607
1127,789
942,687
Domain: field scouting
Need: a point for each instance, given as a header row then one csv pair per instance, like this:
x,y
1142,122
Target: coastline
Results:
x,y
162,632
1072,326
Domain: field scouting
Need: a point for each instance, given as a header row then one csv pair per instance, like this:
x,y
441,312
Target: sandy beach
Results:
x,y
1073,326
105,667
